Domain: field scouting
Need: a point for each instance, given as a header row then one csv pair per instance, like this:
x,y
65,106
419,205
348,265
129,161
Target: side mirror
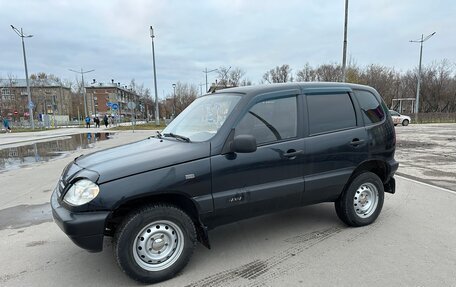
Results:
x,y
244,144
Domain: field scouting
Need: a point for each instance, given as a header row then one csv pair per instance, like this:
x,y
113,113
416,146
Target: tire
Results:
x,y
154,243
405,123
361,203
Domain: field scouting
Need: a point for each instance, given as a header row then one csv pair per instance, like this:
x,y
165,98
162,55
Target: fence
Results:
x,y
427,118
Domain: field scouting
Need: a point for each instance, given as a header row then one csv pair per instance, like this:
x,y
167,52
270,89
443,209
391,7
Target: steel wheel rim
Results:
x,y
365,200
158,245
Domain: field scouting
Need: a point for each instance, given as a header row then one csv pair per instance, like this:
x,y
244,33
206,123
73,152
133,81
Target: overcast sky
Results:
x,y
112,37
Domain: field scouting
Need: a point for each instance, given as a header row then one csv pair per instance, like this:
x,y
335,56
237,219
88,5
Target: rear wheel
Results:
x,y
405,123
362,201
154,243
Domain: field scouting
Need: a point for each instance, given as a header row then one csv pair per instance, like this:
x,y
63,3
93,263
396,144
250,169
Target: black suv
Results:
x,y
230,155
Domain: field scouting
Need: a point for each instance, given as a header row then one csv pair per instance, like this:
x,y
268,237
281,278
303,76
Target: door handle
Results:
x,y
291,153
356,142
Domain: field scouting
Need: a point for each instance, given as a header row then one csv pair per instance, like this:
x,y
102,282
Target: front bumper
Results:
x,y
85,229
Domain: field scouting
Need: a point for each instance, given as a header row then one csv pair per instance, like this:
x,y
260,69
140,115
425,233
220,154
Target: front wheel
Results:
x,y
405,123
154,243
362,201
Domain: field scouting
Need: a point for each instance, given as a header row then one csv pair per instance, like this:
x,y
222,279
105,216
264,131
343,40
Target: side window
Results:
x,y
393,113
370,107
270,120
330,112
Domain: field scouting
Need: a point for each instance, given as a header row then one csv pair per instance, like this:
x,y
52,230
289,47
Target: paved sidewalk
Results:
x,y
10,139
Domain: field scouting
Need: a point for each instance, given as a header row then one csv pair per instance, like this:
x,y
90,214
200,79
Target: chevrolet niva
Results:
x,y
230,155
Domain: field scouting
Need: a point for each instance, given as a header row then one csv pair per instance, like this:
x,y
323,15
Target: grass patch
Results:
x,y
148,126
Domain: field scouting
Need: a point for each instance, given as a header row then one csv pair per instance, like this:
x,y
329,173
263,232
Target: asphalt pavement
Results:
x,y
411,244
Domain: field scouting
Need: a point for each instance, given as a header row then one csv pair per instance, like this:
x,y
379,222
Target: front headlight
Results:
x,y
81,192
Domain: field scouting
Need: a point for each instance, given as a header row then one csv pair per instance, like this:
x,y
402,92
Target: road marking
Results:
x,y
427,184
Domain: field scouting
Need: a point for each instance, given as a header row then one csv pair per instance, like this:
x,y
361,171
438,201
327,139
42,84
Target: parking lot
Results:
x,y
411,244
428,153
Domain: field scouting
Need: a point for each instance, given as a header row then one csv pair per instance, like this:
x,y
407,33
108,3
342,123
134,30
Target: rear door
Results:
x,y
271,178
336,143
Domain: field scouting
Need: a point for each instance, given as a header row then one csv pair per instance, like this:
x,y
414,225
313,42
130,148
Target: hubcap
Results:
x,y
365,200
158,245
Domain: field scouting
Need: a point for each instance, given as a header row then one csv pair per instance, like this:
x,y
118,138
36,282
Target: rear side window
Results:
x,y
330,112
270,120
371,109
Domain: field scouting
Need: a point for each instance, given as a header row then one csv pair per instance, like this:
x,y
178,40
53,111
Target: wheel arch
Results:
x,y
180,201
378,167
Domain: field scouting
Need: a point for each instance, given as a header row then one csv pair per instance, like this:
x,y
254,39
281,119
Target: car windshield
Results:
x,y
201,120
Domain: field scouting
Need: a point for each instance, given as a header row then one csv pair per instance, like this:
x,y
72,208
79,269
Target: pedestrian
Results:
x,y
106,120
87,120
97,121
6,124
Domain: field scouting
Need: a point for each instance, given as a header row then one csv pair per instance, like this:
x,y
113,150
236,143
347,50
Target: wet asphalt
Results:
x,y
411,243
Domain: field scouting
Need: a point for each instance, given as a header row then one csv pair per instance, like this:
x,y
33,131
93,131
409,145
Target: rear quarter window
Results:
x,y
371,108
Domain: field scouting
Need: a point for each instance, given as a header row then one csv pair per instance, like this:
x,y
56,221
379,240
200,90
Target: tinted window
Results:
x,y
370,107
270,120
393,113
330,112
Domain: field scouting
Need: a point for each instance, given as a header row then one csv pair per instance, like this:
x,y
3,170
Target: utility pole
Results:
x,y
82,72
174,101
344,53
417,101
157,113
29,95
207,72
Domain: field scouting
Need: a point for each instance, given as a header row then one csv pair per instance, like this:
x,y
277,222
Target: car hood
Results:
x,y
142,156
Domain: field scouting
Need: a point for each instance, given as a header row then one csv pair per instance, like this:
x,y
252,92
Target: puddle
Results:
x,y
25,215
17,157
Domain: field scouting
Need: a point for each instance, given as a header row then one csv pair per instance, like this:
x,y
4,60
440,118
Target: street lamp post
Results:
x,y
344,52
207,72
20,33
82,72
423,39
157,114
174,100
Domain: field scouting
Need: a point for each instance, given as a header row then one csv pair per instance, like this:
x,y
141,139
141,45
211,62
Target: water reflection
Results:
x,y
17,157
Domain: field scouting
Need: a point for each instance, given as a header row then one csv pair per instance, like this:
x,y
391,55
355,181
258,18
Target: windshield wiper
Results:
x,y
177,137
159,135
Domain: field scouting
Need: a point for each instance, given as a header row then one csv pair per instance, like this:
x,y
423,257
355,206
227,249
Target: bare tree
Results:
x,y
306,74
223,76
280,74
245,82
229,77
185,95
236,75
329,73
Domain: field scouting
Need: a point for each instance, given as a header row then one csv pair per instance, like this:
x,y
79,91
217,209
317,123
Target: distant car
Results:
x,y
400,119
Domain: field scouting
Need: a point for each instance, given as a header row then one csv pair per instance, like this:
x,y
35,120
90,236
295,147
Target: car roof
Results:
x,y
268,88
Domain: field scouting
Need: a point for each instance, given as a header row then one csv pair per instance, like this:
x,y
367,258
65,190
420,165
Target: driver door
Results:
x,y
269,179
